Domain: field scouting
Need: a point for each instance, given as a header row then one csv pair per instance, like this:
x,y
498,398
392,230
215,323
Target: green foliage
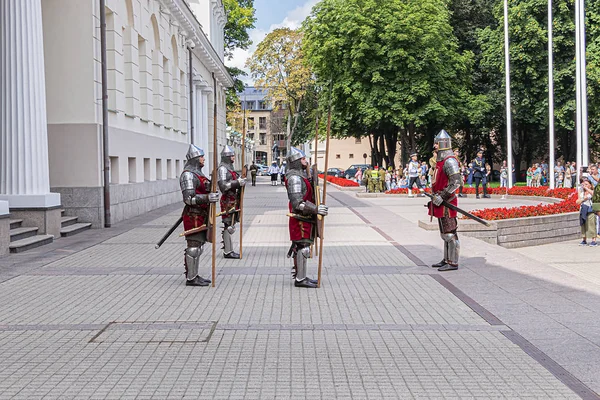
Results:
x,y
395,65
240,19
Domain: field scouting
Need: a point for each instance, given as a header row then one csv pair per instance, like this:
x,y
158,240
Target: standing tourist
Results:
x,y
504,174
274,172
302,226
282,171
432,163
230,185
446,182
358,176
587,218
567,183
479,174
195,187
414,167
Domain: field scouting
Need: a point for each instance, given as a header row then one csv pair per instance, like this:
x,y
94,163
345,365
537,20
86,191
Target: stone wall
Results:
x,y
519,232
127,200
4,228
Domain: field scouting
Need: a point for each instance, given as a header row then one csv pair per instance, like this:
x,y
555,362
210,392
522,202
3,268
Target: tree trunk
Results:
x,y
391,138
382,153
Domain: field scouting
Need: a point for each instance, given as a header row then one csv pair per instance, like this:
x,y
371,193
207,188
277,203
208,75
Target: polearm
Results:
x,y
325,185
169,233
244,173
459,210
317,169
213,206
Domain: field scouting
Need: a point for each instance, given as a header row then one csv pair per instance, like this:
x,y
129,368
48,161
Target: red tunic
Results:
x,y
300,230
438,183
229,199
194,217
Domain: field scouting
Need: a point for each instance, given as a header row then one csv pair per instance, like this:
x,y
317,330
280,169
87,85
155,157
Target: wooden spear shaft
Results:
x,y
241,214
325,187
214,188
317,169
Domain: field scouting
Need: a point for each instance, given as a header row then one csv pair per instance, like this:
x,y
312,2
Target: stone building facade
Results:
x,y
150,46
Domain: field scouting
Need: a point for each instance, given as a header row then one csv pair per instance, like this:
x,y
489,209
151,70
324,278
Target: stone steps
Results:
x,y
29,243
25,238
74,229
67,221
22,233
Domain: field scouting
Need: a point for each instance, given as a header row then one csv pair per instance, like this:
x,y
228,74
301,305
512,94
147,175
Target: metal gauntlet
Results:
x,y
307,208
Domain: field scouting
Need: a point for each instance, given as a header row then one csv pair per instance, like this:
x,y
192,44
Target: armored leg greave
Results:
x,y
192,261
301,261
227,240
448,227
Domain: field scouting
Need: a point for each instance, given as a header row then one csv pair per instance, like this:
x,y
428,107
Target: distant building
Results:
x,y
265,125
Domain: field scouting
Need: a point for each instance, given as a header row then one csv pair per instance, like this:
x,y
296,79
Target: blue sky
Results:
x,y
272,14
269,12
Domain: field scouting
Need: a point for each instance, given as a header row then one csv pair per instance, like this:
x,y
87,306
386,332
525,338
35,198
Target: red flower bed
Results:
x,y
494,214
568,204
340,181
405,191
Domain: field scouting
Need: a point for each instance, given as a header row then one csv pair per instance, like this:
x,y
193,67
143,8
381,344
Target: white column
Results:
x,y
24,175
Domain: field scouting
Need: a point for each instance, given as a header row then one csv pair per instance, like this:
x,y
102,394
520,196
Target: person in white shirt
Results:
x,y
274,171
414,167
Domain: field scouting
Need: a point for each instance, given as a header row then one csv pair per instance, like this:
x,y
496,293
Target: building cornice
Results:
x,y
193,31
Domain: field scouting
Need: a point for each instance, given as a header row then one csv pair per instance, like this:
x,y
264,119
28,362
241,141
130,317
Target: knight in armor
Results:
x,y
305,210
445,182
230,185
195,187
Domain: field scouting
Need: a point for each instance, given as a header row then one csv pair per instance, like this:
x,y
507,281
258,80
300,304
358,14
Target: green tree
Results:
x,y
278,65
395,68
240,20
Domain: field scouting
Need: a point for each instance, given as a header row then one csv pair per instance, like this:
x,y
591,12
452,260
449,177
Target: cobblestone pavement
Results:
x,y
108,316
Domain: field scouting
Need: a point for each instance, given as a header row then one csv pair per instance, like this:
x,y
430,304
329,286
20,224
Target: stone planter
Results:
x,y
519,232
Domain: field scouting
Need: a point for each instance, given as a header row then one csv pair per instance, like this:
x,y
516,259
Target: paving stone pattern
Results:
x,y
116,321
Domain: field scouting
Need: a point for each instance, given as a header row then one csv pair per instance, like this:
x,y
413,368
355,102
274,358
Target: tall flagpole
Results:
x,y
508,112
551,97
578,124
583,84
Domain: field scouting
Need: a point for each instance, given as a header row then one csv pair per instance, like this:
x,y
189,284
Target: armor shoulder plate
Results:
x,y
451,166
295,183
187,181
223,173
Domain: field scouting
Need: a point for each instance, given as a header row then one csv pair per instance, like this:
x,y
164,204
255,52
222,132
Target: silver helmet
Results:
x,y
194,151
227,152
295,154
443,140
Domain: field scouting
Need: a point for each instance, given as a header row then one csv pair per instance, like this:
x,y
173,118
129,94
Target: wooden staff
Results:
x,y
213,207
317,169
244,173
325,185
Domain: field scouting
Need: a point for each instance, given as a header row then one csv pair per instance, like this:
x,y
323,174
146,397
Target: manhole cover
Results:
x,y
156,332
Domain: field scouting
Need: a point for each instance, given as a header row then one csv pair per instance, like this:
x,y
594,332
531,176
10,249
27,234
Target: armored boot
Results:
x,y
228,243
453,245
301,261
192,261
443,262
